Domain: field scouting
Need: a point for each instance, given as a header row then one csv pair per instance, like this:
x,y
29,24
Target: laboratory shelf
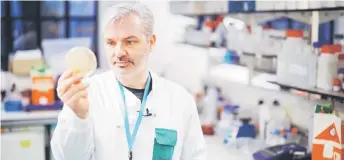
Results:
x,y
264,11
37,118
338,96
12,119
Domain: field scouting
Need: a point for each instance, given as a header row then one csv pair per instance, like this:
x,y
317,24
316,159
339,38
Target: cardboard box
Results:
x,y
23,143
23,67
23,61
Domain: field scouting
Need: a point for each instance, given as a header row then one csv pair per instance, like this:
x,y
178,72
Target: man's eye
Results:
x,y
111,43
129,42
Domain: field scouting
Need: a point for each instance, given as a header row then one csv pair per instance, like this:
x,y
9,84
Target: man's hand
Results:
x,y
73,93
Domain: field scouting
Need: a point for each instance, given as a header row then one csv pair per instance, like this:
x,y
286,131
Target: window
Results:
x,y
2,9
24,35
3,35
53,29
82,8
25,24
53,9
24,9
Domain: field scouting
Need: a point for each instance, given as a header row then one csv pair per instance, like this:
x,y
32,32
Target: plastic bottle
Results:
x,y
300,71
227,119
341,61
327,67
336,85
210,108
339,39
264,117
341,74
316,48
310,133
278,121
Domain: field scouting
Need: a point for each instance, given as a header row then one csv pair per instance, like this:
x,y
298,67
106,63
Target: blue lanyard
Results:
x,y
131,138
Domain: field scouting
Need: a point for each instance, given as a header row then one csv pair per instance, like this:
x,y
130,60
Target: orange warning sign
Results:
x,y
327,144
317,153
329,134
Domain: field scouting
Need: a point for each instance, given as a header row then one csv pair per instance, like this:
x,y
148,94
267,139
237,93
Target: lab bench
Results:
x,y
10,120
214,144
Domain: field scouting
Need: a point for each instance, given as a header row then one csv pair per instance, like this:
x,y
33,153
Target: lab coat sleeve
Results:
x,y
194,144
73,137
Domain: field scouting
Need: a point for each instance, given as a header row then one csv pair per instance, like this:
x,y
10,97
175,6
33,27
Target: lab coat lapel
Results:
x,y
161,102
155,101
115,98
158,100
155,98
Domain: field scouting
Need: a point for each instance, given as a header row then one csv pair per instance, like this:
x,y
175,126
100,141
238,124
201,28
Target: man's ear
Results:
x,y
152,42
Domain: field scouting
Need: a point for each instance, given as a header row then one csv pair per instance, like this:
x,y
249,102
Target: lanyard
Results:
x,y
131,137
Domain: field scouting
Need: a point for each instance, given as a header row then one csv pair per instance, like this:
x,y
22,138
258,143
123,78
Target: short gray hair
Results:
x,y
117,11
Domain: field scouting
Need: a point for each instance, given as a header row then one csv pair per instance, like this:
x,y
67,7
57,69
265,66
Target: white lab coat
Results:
x,y
102,135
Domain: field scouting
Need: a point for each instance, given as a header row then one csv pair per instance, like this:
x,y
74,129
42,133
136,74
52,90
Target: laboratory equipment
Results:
x,y
336,85
264,117
231,57
13,106
228,117
23,143
266,62
246,129
276,119
24,60
291,151
339,39
300,71
210,110
14,101
341,60
203,38
292,135
316,48
81,60
211,104
42,86
327,67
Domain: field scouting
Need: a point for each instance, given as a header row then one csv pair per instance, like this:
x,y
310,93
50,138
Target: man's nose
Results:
x,y
119,51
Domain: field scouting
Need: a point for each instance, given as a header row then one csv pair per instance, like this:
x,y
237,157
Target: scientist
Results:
x,y
127,112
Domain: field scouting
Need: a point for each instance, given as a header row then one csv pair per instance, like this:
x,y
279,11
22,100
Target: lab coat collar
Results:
x,y
158,88
156,85
157,82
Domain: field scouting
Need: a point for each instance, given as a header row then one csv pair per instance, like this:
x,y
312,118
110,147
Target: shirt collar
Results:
x,y
156,85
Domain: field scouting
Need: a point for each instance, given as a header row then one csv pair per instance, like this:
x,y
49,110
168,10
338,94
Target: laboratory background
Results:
x,y
267,76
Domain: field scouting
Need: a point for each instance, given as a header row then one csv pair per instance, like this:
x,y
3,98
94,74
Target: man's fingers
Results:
x,y
77,96
63,86
65,75
74,89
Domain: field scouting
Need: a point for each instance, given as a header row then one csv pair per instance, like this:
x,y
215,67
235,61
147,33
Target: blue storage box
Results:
x,y
13,106
235,6
241,6
249,6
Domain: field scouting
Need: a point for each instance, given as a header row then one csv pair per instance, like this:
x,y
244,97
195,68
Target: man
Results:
x,y
127,112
